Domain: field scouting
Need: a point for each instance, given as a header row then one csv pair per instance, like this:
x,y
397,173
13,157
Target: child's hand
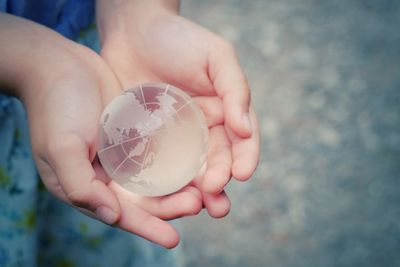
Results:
x,y
145,41
61,85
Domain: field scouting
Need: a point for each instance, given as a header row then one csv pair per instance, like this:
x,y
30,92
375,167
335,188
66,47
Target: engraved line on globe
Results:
x,y
119,166
144,99
177,110
134,161
183,106
114,145
129,154
145,157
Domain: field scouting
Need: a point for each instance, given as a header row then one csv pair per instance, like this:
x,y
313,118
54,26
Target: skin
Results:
x,y
56,79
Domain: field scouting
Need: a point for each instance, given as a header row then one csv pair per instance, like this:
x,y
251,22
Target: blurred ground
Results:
x,y
325,78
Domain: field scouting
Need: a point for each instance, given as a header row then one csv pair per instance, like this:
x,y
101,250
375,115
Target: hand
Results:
x,y
146,41
64,89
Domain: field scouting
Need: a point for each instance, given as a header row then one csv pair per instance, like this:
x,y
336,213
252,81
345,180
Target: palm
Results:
x,y
172,49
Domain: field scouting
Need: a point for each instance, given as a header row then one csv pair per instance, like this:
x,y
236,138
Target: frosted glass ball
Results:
x,y
152,139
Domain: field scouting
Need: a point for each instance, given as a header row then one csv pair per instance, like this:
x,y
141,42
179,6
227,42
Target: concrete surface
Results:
x,y
325,78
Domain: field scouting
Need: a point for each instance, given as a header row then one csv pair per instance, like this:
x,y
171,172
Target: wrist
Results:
x,y
113,16
25,49
14,48
32,57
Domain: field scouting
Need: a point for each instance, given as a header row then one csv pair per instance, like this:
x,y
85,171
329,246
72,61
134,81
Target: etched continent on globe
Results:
x,y
152,139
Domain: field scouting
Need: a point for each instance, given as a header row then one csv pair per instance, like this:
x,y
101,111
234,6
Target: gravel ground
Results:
x,y
325,79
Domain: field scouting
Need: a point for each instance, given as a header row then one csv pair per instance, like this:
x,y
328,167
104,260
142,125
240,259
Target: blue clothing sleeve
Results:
x,y
67,17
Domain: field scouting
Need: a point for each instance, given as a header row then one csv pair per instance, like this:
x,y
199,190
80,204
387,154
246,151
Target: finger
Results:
x,y
99,171
69,158
231,85
219,161
217,206
212,108
50,179
245,152
140,222
187,202
52,184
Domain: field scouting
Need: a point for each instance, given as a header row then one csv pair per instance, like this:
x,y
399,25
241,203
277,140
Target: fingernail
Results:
x,y
247,122
106,214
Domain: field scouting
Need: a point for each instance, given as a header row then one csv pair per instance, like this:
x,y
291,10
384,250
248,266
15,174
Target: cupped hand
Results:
x,y
147,42
64,92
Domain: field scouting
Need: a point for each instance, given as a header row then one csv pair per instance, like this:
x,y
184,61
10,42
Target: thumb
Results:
x,y
230,83
70,161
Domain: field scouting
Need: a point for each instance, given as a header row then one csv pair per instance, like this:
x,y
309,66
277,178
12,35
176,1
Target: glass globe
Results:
x,y
152,139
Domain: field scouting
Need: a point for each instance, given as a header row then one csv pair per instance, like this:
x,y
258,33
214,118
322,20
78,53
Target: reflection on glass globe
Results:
x,y
152,139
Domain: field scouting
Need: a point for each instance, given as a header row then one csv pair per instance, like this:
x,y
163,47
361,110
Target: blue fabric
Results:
x,y
36,229
67,17
18,187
